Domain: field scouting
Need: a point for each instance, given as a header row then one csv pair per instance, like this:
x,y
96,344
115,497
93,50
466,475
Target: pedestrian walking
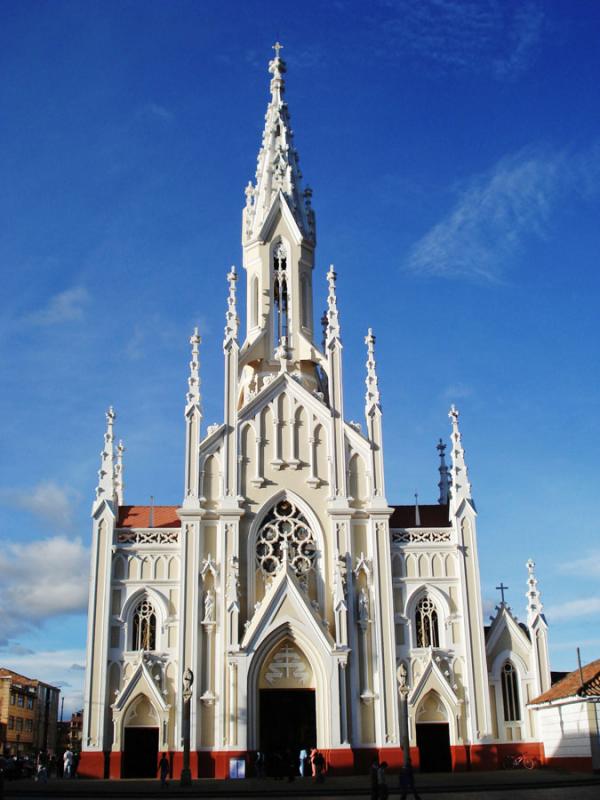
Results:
x,y
163,770
319,766
382,787
68,763
373,775
407,782
302,764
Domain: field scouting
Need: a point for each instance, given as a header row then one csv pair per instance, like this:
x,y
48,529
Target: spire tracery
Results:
x,y
278,167
372,396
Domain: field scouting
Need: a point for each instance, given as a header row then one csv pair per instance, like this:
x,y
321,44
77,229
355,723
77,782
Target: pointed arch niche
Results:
x,y
302,515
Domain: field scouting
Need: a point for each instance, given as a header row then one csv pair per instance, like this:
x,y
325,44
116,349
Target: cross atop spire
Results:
x,y
502,588
333,322
444,484
231,317
461,488
277,169
372,396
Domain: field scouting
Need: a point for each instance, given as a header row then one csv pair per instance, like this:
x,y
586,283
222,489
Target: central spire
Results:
x,y
277,169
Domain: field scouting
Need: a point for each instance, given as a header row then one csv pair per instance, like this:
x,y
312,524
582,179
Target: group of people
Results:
x,y
379,786
46,766
308,762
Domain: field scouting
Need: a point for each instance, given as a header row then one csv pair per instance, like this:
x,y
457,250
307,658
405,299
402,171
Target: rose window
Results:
x,y
285,526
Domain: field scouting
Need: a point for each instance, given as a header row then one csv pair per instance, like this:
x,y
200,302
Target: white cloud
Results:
x,y
583,567
47,501
457,391
158,111
67,306
574,609
41,579
461,35
499,210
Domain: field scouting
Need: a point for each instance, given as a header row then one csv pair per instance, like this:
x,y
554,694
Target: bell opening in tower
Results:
x,y
280,294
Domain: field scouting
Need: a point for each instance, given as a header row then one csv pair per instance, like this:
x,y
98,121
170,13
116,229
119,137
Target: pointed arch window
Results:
x,y
280,293
427,623
510,693
144,626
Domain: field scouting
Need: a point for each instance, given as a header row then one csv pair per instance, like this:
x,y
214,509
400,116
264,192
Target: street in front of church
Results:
x,y
498,785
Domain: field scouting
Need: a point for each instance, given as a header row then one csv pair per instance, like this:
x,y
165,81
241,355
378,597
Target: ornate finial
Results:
x,y
417,511
277,47
461,488
119,484
231,317
444,484
333,322
372,396
105,489
193,395
534,600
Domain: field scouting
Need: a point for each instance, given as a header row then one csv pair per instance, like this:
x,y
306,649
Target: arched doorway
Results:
x,y
433,735
286,703
140,740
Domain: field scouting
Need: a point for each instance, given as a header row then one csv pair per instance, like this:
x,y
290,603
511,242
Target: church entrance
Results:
x,y
287,720
140,753
433,741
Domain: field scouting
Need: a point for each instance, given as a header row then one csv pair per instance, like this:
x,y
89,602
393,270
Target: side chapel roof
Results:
x,y
431,516
571,685
140,517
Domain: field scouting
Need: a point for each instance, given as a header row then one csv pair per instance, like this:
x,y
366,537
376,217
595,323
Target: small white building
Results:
x,y
568,718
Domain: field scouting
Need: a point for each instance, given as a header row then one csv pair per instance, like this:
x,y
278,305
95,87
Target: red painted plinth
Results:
x,y
339,762
115,765
92,765
577,764
176,761
215,763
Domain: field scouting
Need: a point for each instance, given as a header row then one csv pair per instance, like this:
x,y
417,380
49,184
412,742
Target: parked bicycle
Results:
x,y
518,761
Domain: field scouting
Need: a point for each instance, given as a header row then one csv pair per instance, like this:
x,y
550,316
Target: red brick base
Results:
x,y
342,761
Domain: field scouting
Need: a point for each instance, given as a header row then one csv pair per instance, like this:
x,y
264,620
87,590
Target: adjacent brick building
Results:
x,y
28,714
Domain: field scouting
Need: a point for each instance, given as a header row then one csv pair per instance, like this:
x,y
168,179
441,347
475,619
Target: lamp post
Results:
x,y
404,735
186,773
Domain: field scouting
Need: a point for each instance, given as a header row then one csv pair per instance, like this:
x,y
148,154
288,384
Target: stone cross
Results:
x,y
277,47
502,588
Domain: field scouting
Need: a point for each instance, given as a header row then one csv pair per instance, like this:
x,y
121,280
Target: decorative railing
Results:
x,y
151,536
419,536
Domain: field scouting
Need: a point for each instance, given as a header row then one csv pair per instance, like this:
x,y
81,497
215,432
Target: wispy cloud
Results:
x,y
498,211
157,111
67,306
39,580
583,567
457,391
574,609
461,35
47,500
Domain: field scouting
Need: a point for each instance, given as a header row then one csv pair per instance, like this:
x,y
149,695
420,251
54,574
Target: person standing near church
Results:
x,y
163,770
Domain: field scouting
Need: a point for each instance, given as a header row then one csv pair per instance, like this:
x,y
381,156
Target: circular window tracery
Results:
x,y
285,525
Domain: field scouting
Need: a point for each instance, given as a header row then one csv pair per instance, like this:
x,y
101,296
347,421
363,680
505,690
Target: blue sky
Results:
x,y
454,152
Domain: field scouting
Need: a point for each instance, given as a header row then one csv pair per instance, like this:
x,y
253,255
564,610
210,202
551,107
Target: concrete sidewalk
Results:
x,y
355,786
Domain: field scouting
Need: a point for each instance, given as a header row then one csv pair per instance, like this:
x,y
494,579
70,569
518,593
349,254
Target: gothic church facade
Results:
x,y
304,604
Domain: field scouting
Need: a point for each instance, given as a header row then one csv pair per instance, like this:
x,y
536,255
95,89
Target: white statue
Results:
x,y
209,606
363,607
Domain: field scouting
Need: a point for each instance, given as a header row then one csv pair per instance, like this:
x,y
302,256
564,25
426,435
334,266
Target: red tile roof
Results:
x,y
570,686
139,517
433,516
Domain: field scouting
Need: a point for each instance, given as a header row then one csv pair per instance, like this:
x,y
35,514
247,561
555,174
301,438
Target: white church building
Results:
x,y
300,597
